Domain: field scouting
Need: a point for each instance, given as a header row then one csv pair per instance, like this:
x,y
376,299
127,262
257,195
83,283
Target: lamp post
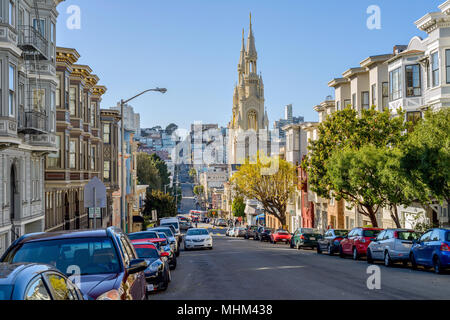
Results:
x,y
122,173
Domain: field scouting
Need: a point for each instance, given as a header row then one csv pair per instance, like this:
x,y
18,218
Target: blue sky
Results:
x,y
192,48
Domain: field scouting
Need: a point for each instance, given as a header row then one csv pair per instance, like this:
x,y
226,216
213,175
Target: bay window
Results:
x,y
413,81
435,69
12,90
447,65
72,100
374,94
395,84
365,100
73,154
385,95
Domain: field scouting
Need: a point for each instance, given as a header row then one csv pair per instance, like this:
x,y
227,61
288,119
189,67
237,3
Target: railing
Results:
x,y
33,122
31,39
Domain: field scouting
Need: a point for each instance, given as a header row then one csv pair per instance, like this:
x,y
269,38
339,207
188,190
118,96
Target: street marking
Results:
x,y
280,267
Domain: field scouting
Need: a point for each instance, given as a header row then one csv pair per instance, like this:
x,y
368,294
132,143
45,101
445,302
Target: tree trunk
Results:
x,y
372,216
394,216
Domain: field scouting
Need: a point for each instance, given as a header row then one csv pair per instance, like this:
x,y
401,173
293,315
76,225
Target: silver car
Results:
x,y
392,245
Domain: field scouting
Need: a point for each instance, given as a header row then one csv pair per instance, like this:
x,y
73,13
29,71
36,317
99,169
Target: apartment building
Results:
x,y
27,113
79,140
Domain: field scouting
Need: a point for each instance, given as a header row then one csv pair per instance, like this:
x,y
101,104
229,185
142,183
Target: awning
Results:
x,y
260,217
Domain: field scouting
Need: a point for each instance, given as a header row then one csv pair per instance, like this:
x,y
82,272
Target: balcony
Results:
x,y
33,44
33,122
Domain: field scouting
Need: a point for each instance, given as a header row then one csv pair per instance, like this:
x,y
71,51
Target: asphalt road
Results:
x,y
248,269
187,202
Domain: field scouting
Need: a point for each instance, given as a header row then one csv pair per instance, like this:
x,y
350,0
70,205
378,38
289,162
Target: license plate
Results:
x,y
312,238
150,287
284,240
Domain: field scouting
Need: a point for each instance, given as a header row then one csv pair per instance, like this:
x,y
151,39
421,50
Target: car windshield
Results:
x,y
197,232
340,232
408,235
281,231
167,232
143,235
308,230
90,255
144,252
5,292
371,233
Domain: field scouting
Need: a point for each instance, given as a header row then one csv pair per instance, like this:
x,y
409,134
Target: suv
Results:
x,y
392,245
250,232
357,241
106,261
163,222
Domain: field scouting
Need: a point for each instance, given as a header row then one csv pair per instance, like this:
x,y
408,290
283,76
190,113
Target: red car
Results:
x,y
357,241
280,235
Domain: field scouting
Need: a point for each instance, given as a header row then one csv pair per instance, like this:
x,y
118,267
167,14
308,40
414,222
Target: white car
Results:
x,y
232,232
197,238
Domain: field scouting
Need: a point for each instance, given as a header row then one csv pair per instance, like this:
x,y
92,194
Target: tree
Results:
x,y
171,128
198,190
370,179
347,129
238,207
162,202
271,181
162,169
147,173
426,160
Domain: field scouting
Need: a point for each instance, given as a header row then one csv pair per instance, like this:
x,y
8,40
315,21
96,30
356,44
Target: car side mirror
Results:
x,y
137,265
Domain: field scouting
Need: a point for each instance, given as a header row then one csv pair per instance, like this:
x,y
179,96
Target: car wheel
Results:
x,y
291,244
387,259
413,261
174,265
177,253
355,254
437,265
405,263
319,251
341,252
330,250
210,248
369,256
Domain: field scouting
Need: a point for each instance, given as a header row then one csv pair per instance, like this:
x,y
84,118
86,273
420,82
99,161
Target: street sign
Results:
x,y
95,189
98,213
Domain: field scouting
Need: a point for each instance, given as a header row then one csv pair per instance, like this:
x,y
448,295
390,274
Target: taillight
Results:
x,y
338,239
395,234
302,237
445,247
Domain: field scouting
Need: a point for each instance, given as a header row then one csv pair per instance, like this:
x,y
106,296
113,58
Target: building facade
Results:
x,y
27,113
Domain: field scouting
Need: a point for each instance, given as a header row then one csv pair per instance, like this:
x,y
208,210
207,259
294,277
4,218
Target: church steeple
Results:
x,y
251,54
241,65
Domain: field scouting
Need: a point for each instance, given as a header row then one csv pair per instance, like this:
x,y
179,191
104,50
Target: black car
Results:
x,y
157,273
263,234
331,240
165,246
250,232
32,281
108,266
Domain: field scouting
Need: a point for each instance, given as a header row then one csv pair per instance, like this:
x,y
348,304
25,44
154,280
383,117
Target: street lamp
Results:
x,y
122,175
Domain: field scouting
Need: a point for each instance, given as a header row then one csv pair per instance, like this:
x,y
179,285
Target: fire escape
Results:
x,y
32,115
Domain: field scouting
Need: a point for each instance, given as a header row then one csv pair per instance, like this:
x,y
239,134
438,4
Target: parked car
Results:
x,y
305,237
197,238
264,234
185,225
432,250
250,232
170,236
221,223
157,273
175,224
108,265
165,246
392,245
257,232
227,232
330,241
232,231
144,236
239,232
280,235
357,241
33,281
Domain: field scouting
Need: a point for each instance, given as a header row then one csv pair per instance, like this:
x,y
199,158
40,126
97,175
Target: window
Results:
x,y
39,25
52,32
93,112
39,100
385,95
72,100
347,102
58,92
12,13
381,236
447,65
72,154
365,100
106,133
83,154
374,94
12,90
93,158
66,92
395,82
413,116
435,235
54,159
106,170
413,81
435,68
354,100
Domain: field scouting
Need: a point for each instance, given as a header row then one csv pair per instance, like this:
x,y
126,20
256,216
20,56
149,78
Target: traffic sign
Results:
x,y
95,189
98,213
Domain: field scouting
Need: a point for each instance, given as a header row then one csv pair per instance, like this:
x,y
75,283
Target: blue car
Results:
x,y
432,250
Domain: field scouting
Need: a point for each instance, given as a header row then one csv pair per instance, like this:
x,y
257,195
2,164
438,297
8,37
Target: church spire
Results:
x,y
251,48
241,65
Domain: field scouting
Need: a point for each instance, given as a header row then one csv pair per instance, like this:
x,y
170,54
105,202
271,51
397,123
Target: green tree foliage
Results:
x,y
426,160
198,190
162,169
238,207
162,202
270,181
147,173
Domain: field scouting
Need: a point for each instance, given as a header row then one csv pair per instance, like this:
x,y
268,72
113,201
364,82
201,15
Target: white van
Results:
x,y
173,222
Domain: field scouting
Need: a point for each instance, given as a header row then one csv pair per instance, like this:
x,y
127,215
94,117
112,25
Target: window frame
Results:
x,y
407,80
395,75
435,76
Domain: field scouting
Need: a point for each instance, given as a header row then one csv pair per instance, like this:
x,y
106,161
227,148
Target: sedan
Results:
x,y
32,281
240,232
330,241
280,235
157,273
264,234
305,237
170,236
392,245
165,247
197,238
432,250
108,266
